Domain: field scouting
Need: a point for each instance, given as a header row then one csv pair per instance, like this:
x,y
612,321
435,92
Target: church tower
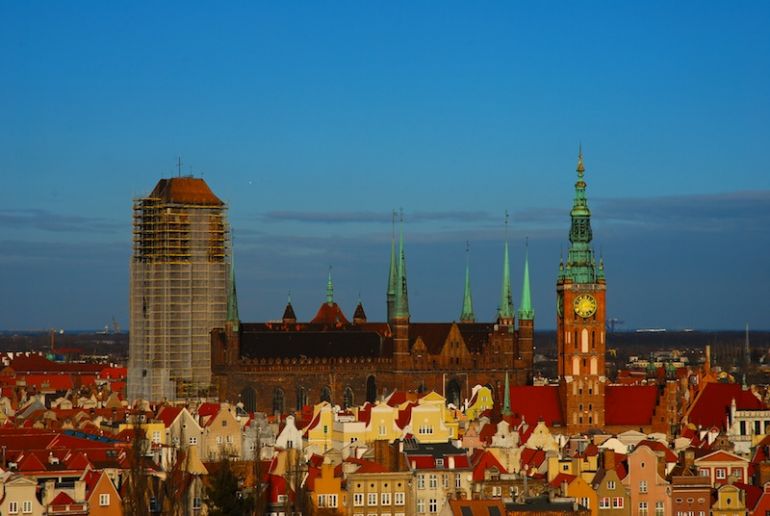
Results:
x,y
400,324
580,321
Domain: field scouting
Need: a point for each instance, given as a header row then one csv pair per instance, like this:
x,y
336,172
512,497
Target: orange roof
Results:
x,y
185,190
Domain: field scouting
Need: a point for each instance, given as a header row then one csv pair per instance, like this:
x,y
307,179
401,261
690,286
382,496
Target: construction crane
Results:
x,y
612,322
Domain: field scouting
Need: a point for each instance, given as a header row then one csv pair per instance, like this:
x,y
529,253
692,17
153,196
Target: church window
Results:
x,y
594,366
584,341
326,394
301,397
371,389
249,399
347,399
278,406
593,340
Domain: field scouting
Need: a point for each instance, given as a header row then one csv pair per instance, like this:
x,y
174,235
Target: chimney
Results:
x,y
609,459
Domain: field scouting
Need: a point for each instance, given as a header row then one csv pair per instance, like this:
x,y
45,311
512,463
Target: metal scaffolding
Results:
x,y
178,293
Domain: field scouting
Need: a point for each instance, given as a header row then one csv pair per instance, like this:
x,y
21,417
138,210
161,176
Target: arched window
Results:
x,y
278,401
301,397
453,393
347,397
584,341
249,399
371,389
326,394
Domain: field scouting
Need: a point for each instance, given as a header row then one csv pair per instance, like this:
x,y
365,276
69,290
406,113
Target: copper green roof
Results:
x,y
467,315
401,308
505,311
580,266
526,312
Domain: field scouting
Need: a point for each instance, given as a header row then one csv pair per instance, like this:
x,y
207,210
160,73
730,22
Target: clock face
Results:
x,y
585,305
560,304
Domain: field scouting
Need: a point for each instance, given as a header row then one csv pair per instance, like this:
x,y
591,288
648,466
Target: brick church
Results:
x,y
284,365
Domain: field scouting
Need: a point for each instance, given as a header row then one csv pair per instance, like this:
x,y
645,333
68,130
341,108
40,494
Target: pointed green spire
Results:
x,y
507,397
232,296
526,312
467,315
505,311
392,273
581,266
401,308
330,289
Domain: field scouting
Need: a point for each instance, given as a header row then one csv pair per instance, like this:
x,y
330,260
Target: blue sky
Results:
x,y
315,120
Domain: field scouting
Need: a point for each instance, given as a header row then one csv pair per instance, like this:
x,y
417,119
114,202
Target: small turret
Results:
x,y
359,316
289,317
505,311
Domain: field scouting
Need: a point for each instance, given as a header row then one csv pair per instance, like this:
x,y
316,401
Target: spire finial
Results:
x,y
288,301
401,301
330,288
505,311
580,166
526,312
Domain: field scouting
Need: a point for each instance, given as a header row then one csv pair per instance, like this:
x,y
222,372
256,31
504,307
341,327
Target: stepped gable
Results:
x,y
712,404
536,403
185,190
433,335
629,404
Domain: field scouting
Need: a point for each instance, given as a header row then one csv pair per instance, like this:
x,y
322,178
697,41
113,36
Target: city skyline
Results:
x,y
313,124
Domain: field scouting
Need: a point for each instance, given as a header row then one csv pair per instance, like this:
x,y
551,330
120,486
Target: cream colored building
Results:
x,y
18,496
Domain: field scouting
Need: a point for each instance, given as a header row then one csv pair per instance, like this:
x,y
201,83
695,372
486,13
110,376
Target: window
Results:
x,y
642,508
420,505
446,481
333,501
643,486
289,444
721,473
104,500
439,463
224,422
611,484
704,472
565,467
13,507
383,430
585,502
432,505
604,503
193,440
372,499
156,437
197,502
26,507
659,508
399,498
420,481
617,502
321,500
497,491
385,499
358,499
458,481
219,439
433,481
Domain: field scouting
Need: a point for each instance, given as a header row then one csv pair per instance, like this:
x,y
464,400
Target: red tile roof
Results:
x,y
168,415
483,460
560,478
185,190
330,315
62,499
629,404
712,404
536,403
658,446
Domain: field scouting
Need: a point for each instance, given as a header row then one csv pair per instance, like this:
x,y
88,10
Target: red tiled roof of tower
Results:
x,y
330,314
629,404
536,403
185,190
712,404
